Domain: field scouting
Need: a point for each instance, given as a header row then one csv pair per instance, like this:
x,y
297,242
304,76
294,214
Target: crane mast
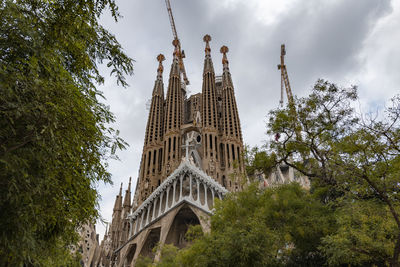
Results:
x,y
181,53
285,78
285,83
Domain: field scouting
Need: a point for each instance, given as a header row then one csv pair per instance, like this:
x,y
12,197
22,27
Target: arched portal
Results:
x,y
183,219
130,254
151,241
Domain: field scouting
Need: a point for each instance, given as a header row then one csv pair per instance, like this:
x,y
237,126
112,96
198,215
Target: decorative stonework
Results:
x,y
161,200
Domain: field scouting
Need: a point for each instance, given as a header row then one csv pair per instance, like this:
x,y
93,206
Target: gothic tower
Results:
x,y
173,117
151,164
209,115
231,140
115,228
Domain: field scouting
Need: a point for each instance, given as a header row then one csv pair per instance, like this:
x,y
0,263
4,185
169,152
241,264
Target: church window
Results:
x,y
216,148
174,145
205,145
160,157
149,159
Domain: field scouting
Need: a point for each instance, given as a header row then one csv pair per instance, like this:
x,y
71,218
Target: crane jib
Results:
x,y
175,34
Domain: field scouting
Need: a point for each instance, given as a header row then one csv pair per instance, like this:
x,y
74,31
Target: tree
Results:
x,y
353,162
55,138
259,160
280,226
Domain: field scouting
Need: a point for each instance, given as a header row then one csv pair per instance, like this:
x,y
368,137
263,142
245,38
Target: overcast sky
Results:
x,y
346,42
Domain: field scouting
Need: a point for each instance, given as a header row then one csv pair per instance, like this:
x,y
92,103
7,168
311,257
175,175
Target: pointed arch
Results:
x,y
183,219
152,239
130,254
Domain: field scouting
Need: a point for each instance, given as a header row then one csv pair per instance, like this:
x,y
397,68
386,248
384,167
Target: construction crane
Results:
x,y
181,53
285,78
285,83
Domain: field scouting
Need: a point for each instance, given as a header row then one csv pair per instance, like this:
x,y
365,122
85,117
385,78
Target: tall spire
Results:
x,y
173,118
225,65
174,101
230,116
127,199
208,90
208,65
118,200
209,113
154,123
150,166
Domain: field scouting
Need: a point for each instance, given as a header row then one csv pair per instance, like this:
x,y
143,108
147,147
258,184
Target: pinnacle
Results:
x,y
207,39
224,49
160,59
176,44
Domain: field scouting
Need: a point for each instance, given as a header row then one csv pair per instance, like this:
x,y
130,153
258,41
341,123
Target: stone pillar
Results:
x,y
161,198
154,208
166,202
180,187
205,195
173,193
198,191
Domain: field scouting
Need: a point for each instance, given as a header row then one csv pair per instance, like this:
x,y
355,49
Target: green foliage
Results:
x,y
143,262
353,163
258,160
194,232
366,235
54,133
282,226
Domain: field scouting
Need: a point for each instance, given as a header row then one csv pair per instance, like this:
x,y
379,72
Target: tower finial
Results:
x,y
176,43
120,190
224,49
160,59
207,39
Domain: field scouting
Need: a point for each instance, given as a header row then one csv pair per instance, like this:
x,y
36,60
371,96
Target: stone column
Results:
x,y
154,208
173,193
148,213
166,202
180,187
198,192
161,198
205,195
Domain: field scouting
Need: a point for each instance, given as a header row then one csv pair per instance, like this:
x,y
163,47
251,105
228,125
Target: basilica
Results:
x,y
192,154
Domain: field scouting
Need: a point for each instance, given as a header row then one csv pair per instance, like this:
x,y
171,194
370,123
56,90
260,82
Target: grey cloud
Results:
x,y
324,39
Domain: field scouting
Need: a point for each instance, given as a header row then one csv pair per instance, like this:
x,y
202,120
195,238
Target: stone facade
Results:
x,y
283,174
88,245
192,154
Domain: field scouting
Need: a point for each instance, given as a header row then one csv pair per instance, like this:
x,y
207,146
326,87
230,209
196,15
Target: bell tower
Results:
x,y
151,164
